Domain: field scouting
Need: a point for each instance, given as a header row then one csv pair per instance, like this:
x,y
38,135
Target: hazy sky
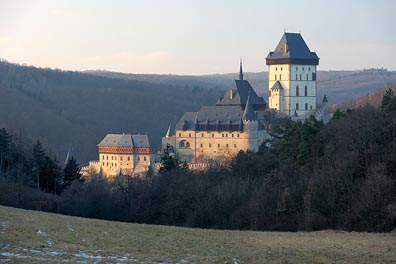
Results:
x,y
194,37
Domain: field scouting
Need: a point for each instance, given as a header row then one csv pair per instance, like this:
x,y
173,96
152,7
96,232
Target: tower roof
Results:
x,y
277,86
249,114
324,100
240,71
292,49
125,140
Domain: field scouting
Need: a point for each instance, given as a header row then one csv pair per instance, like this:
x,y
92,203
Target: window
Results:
x,y
115,158
269,93
218,145
307,77
280,76
296,106
210,145
144,158
129,158
306,106
237,135
226,135
226,145
297,91
138,158
296,68
121,158
276,69
309,69
305,91
303,68
213,135
202,135
281,68
296,76
179,134
313,76
107,157
103,163
234,145
107,164
222,135
275,77
188,145
112,157
201,145
300,76
182,144
189,134
232,135
311,107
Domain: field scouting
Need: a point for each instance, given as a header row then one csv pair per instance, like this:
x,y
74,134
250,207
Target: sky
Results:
x,y
193,37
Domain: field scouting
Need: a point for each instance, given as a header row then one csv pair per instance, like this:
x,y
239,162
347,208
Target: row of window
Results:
x,y
306,106
213,135
309,68
184,144
106,157
298,91
297,77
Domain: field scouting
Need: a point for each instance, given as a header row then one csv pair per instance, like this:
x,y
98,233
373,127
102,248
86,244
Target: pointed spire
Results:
x,y
240,71
69,156
249,114
325,99
168,131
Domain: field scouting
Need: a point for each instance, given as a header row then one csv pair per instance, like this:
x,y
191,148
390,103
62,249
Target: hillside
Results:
x,y
77,109
65,109
339,86
37,237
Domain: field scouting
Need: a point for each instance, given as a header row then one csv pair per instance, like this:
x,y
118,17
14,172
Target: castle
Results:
x,y
238,121
292,77
122,154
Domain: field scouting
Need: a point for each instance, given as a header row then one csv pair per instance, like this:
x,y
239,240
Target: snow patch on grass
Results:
x,y
41,233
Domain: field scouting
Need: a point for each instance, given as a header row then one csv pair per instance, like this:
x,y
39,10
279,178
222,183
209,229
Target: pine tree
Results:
x,y
389,101
38,159
5,143
71,173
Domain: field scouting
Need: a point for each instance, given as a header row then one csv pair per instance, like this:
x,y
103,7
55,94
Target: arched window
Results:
x,y
306,91
297,91
182,144
280,76
275,77
188,145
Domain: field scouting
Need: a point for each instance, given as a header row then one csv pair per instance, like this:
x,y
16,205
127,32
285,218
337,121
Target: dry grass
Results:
x,y
36,237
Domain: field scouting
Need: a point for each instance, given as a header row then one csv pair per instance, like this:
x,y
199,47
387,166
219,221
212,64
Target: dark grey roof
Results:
x,y
277,86
249,113
238,93
211,115
125,140
187,121
292,49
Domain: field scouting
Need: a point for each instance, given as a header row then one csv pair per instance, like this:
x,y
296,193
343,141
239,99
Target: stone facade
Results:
x,y
219,132
292,77
122,154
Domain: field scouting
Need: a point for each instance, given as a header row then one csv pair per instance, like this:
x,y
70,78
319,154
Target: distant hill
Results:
x,y
373,98
65,109
339,86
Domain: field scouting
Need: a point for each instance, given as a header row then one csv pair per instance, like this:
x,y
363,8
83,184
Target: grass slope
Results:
x,y
37,237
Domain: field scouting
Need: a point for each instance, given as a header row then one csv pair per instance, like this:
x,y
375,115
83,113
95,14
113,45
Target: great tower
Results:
x,y
292,76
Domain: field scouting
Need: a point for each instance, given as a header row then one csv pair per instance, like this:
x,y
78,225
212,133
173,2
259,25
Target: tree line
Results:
x,y
311,176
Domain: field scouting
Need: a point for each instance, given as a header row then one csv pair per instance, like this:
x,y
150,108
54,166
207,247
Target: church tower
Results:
x,y
292,76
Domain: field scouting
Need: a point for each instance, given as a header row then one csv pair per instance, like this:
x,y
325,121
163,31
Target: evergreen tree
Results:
x,y
37,161
5,144
168,162
71,173
389,101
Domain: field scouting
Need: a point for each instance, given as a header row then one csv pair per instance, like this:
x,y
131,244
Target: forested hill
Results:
x,y
65,109
339,86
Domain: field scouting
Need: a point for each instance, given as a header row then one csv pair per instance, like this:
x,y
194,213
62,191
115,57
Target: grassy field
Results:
x,y
37,237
